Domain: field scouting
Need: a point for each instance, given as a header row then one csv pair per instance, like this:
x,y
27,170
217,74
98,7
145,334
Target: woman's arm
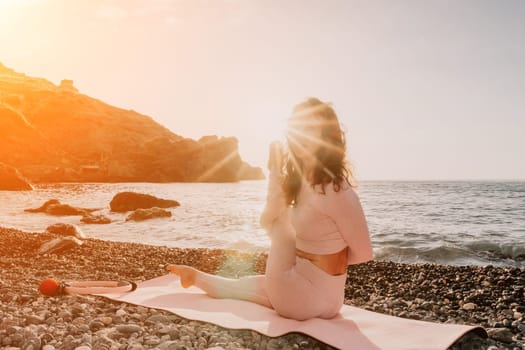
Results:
x,y
275,201
275,198
344,207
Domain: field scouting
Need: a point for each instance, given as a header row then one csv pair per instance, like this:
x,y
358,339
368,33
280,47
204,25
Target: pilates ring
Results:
x,y
97,287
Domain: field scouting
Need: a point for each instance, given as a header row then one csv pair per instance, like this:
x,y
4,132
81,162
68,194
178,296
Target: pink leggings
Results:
x,y
293,286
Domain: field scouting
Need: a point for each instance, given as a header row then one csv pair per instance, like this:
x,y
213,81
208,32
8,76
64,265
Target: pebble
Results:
x,y
32,344
158,319
95,325
33,319
106,320
469,306
77,309
507,313
129,328
174,334
12,330
121,313
152,340
501,334
65,315
117,319
51,321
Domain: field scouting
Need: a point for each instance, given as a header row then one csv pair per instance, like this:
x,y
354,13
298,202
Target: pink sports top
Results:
x,y
327,223
324,223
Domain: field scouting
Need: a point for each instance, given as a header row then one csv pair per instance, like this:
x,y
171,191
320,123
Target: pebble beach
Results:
x,y
493,297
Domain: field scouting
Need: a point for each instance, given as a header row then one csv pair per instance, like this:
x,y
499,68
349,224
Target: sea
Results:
x,y
442,222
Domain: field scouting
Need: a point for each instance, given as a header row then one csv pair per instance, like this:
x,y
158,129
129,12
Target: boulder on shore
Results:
x,y
66,230
150,213
54,207
59,245
12,180
128,201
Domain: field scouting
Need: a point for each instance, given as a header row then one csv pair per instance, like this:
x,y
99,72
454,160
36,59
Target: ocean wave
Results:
x,y
510,250
441,254
473,253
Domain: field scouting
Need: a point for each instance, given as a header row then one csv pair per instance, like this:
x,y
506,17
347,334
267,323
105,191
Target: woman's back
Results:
x,y
328,222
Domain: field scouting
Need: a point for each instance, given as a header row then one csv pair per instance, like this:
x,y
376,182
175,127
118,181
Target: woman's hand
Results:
x,y
275,159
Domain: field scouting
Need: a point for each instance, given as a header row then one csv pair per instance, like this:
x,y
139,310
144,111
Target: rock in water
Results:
x,y
12,180
95,219
128,201
43,207
59,245
150,213
54,207
66,209
66,230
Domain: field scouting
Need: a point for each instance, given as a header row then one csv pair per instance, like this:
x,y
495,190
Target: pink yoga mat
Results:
x,y
354,328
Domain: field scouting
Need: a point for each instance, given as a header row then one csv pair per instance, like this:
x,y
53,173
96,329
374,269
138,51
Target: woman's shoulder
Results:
x,y
342,194
342,188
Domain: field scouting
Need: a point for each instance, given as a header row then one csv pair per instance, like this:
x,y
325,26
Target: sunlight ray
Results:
x,y
217,166
325,169
294,160
295,134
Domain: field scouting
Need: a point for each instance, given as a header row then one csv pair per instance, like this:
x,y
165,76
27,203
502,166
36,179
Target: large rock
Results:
x,y
128,201
43,134
54,207
150,213
12,180
66,230
59,245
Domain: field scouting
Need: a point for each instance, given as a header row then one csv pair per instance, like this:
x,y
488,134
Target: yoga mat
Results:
x,y
354,328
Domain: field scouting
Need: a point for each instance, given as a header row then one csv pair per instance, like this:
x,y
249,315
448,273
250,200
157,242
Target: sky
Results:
x,y
425,89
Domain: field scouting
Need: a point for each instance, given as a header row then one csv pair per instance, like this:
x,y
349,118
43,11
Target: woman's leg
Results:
x,y
281,258
250,288
279,272
291,283
279,265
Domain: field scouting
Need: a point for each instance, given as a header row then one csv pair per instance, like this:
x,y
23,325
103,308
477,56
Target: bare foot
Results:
x,y
187,274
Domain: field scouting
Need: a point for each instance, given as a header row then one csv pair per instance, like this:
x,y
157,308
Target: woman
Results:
x,y
314,219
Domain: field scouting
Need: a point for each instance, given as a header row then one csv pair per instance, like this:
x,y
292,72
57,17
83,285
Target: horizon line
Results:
x,y
448,179
437,179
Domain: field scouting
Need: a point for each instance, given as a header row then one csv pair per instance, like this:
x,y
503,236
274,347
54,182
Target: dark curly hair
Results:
x,y
331,164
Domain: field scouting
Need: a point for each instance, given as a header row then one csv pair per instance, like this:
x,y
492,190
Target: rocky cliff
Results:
x,y
56,134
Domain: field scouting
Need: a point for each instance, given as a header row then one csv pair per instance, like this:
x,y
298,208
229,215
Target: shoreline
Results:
x,y
492,297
